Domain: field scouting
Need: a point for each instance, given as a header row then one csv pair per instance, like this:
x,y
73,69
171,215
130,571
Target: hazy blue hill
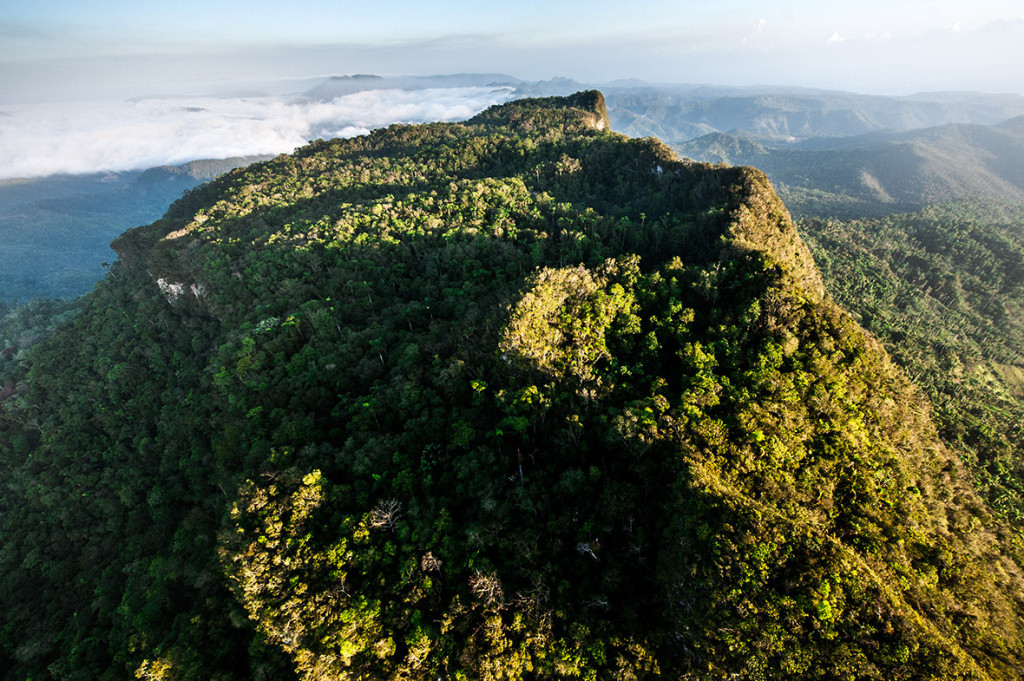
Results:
x,y
879,172
55,231
719,147
1015,124
16,192
787,114
650,123
201,170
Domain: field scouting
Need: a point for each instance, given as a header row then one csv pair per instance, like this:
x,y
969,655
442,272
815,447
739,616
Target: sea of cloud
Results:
x,y
92,136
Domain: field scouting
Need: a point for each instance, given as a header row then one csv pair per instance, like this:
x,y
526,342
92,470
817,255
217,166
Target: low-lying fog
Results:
x,y
46,138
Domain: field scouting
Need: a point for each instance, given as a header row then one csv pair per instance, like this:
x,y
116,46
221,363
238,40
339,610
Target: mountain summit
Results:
x,y
515,398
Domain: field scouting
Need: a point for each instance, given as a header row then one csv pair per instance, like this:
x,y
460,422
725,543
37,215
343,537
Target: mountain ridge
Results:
x,y
513,398
781,115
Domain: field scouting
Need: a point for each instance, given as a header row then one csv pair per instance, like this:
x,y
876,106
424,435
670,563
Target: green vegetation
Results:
x,y
519,398
944,290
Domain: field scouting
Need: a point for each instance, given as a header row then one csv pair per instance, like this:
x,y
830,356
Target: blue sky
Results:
x,y
74,46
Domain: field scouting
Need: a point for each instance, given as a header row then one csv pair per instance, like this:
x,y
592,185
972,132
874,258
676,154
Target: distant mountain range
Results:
x,y
679,114
881,173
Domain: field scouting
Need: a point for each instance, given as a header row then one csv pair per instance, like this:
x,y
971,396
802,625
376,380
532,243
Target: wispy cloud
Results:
x,y
40,140
8,30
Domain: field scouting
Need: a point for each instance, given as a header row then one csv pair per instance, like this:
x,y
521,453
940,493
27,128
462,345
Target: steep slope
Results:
x,y
514,398
944,290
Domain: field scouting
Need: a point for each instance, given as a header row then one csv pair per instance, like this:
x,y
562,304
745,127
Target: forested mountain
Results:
x,y
55,231
517,398
882,173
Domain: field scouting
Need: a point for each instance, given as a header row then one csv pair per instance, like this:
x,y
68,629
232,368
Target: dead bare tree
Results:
x,y
486,587
386,513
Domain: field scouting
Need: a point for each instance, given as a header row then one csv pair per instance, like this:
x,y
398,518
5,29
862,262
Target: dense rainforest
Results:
x,y
943,289
516,398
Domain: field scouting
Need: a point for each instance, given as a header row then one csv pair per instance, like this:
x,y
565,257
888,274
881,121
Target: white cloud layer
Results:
x,y
37,140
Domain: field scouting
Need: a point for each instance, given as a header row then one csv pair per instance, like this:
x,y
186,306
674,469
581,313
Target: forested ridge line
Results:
x,y
516,398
